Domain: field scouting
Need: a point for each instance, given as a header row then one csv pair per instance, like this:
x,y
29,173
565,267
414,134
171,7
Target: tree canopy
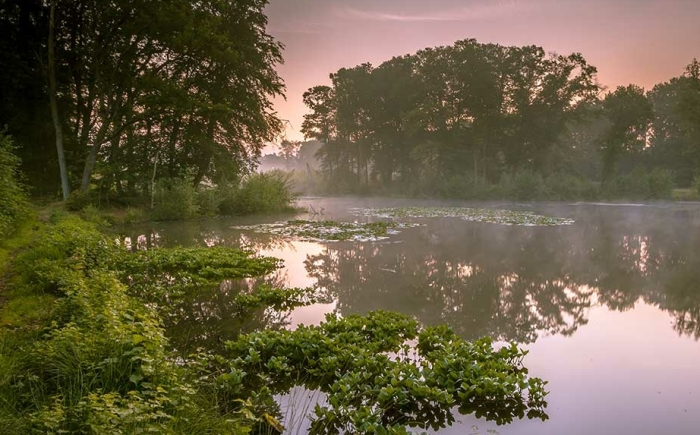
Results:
x,y
477,113
185,85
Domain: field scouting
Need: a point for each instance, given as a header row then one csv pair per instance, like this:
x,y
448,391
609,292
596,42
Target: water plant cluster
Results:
x,y
330,231
497,216
85,350
376,382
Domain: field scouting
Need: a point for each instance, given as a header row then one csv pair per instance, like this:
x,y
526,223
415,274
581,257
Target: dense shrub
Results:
x,y
567,187
696,185
13,199
80,199
102,363
208,202
175,199
524,186
641,184
267,192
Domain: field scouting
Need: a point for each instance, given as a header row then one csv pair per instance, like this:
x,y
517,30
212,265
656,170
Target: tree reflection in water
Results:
x,y
515,283
507,282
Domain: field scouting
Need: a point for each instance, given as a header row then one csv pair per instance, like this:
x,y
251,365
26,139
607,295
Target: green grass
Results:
x,y
18,305
685,195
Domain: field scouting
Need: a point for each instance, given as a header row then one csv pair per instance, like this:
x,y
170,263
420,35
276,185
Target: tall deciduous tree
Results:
x,y
629,114
447,111
184,83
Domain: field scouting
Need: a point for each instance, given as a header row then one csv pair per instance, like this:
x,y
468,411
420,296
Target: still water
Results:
x,y
609,307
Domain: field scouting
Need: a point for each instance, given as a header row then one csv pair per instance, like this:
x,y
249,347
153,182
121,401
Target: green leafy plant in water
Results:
x,y
503,217
174,270
330,231
376,382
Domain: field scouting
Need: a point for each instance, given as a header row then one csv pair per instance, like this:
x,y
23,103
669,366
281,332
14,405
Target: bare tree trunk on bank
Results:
x,y
65,187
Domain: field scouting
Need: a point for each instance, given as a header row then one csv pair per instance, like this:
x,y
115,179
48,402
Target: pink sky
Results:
x,y
630,41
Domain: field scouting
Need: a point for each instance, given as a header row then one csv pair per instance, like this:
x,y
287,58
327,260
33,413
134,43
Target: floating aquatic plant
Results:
x,y
497,216
330,231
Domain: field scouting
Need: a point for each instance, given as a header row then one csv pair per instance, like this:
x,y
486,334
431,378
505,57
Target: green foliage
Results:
x,y
629,113
92,214
208,202
390,124
101,363
175,199
524,186
641,184
13,198
567,187
330,231
164,273
79,199
696,184
369,391
133,215
71,245
267,192
214,117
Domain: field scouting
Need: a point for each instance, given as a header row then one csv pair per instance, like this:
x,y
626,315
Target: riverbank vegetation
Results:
x,y
84,350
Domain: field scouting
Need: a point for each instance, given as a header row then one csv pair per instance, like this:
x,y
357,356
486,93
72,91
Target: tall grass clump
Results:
x,y
13,196
267,192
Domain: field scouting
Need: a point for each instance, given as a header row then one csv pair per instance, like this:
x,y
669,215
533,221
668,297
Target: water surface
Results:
x,y
609,306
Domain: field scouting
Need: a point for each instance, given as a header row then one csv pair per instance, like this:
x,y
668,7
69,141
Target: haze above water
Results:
x,y
609,307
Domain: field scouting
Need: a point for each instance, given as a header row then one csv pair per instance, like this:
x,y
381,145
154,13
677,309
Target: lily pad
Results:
x,y
330,231
496,216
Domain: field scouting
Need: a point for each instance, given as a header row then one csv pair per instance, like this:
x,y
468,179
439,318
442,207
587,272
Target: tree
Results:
x,y
629,115
289,149
65,187
689,108
178,83
445,111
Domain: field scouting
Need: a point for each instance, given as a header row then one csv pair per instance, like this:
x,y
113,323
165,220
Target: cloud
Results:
x,y
301,29
477,11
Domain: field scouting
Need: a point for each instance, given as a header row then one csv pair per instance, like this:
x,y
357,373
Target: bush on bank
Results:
x,y
13,196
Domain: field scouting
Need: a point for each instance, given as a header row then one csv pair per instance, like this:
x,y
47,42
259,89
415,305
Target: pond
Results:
x,y
606,297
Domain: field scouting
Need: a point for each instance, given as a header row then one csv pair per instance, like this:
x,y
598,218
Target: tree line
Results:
x,y
113,94
476,114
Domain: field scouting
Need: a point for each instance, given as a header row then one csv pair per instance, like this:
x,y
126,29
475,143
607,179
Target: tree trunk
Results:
x,y
207,152
174,134
65,187
90,165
